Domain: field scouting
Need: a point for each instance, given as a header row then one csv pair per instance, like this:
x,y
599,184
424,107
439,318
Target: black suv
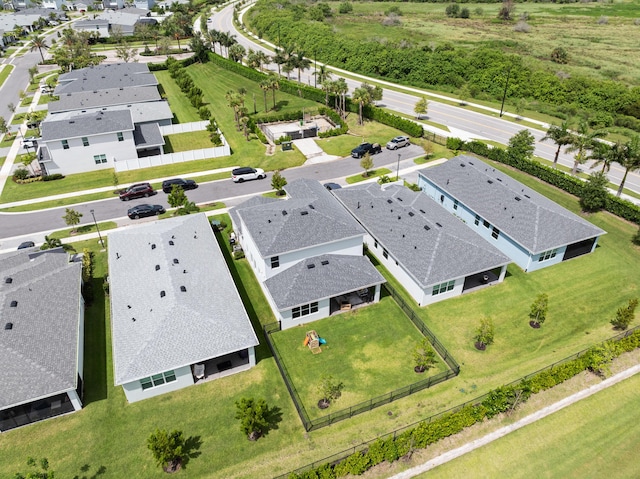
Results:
x,y
137,191
364,148
184,184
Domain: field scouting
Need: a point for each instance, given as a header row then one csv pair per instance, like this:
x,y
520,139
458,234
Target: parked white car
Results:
x,y
247,173
398,142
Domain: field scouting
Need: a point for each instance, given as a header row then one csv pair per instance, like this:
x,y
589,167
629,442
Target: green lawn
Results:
x,y
4,73
369,349
18,118
47,98
596,437
187,141
374,173
89,228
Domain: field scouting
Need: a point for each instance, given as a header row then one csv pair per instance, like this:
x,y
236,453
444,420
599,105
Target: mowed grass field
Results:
x,y
605,49
596,437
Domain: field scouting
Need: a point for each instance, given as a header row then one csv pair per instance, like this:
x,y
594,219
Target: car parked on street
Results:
x,y
184,184
364,148
398,142
245,173
137,191
141,211
30,143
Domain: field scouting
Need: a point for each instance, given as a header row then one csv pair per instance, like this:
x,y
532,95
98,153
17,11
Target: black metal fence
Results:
x,y
311,424
339,456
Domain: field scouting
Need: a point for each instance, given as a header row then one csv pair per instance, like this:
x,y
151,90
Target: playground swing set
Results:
x,y
313,341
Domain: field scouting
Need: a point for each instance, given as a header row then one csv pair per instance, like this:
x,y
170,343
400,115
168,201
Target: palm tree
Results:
x,y
581,144
630,160
263,59
362,97
274,84
38,42
342,89
301,63
322,74
265,86
602,154
279,59
213,36
561,136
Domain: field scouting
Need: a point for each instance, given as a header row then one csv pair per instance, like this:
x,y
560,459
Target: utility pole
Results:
x,y
504,95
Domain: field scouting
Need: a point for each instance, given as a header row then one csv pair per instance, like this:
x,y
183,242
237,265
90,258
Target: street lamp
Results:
x,y
504,95
97,228
398,168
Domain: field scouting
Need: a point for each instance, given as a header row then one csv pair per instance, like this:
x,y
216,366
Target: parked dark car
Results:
x,y
26,244
364,148
245,173
184,184
137,191
140,211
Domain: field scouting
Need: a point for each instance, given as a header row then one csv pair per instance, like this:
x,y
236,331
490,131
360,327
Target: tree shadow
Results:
x,y
87,475
95,346
191,449
280,105
273,417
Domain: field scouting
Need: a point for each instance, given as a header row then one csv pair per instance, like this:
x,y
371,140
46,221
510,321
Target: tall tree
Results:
x,y
236,52
274,84
521,145
253,415
301,63
38,42
341,89
126,52
166,448
581,143
265,86
362,97
601,154
630,160
561,136
421,107
72,218
263,59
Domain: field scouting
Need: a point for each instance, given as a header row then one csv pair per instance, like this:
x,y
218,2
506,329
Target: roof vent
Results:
x,y
462,165
153,246
527,196
389,201
518,198
99,118
128,306
8,326
423,212
426,227
162,294
490,182
311,266
157,267
71,122
284,213
268,221
133,319
8,280
175,261
471,163
183,289
95,91
399,199
14,304
324,262
499,179
304,213
438,225
399,217
171,243
311,207
411,213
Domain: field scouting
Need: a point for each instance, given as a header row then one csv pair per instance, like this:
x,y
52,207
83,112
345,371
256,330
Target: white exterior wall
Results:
x,y
135,163
134,392
287,321
79,158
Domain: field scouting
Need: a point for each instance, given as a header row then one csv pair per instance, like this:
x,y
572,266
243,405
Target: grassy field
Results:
x,y
596,437
187,141
369,350
579,28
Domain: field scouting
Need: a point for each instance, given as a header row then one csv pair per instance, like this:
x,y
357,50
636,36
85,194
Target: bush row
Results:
x,y
497,401
617,206
336,119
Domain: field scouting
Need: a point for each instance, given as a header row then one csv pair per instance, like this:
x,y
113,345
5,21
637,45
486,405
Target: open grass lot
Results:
x,y
369,349
573,26
596,437
191,140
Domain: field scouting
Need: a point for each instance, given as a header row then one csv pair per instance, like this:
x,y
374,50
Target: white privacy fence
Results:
x,y
183,127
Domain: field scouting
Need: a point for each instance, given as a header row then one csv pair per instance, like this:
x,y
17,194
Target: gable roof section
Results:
x,y
321,277
39,355
140,112
527,217
147,135
179,328
104,98
105,77
309,216
86,125
431,244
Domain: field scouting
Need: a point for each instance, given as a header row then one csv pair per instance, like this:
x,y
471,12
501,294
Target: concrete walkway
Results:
x,y
542,413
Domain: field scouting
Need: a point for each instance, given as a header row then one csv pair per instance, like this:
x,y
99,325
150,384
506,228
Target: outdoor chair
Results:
x,y
198,371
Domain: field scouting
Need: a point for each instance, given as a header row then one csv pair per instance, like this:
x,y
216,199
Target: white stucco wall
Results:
x,y
134,392
287,321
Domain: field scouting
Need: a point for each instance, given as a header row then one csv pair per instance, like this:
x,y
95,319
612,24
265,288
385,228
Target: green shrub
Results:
x,y
55,176
20,174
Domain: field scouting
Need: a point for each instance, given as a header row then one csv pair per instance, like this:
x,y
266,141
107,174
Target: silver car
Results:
x,y
398,142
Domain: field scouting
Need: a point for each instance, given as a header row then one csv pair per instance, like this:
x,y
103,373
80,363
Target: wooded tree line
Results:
x,y
481,71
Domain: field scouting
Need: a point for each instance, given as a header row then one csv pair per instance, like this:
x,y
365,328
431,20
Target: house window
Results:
x,y
275,261
486,224
547,255
65,144
120,136
85,141
443,287
157,380
495,232
100,159
304,310
385,253
477,220
455,204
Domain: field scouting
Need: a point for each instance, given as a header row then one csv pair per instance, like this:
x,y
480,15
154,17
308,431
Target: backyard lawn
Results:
x,y
191,140
369,349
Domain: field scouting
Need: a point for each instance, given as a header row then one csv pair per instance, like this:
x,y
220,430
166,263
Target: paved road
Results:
x,y
462,122
20,224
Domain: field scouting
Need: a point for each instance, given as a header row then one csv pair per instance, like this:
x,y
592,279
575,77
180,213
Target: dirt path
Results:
x,y
542,413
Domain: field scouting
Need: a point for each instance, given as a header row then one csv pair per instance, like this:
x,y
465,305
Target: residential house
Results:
x,y
431,253
105,77
532,230
174,307
124,21
307,253
41,336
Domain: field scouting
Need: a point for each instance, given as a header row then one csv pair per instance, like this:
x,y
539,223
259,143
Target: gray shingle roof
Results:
x,y
396,217
331,275
184,327
147,135
86,124
104,98
39,355
105,77
309,216
527,217
140,112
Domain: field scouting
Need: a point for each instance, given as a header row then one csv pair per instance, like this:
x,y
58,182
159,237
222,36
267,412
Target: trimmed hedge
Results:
x,y
498,401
